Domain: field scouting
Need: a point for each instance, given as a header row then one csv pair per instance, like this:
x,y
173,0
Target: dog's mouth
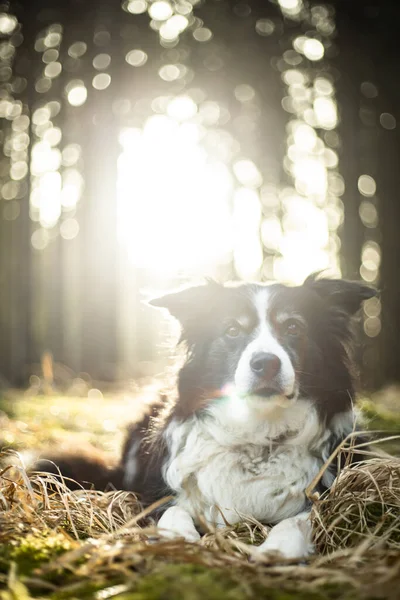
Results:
x,y
270,392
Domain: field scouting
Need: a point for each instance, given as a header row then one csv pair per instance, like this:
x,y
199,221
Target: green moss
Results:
x,y
379,418
168,581
16,590
195,582
32,550
82,590
188,582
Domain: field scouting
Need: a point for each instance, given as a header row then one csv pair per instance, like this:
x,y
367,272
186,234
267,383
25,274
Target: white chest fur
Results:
x,y
225,465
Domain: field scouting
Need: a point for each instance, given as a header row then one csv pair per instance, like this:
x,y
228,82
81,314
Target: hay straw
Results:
x,y
362,507
358,549
42,501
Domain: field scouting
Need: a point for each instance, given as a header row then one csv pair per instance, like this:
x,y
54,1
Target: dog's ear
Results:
x,y
346,295
189,303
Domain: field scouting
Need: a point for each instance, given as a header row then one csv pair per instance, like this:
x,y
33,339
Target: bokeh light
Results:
x,y
101,81
388,121
291,8
101,61
313,49
136,7
160,10
136,58
305,238
55,183
7,23
366,185
77,49
76,92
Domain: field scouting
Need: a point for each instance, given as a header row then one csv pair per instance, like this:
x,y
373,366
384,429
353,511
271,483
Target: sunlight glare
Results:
x,y
326,112
44,158
50,199
182,108
305,137
310,177
173,201
72,188
247,173
238,407
160,10
170,29
299,260
246,226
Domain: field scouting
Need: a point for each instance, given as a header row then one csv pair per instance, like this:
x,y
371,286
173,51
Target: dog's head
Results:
x,y
267,343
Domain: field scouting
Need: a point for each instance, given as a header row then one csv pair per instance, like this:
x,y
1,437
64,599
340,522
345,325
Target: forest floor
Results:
x,y
57,544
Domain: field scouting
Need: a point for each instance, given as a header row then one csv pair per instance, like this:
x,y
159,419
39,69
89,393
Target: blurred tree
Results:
x,y
369,94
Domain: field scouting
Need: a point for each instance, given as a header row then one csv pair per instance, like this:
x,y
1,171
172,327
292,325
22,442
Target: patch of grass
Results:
x,y
33,422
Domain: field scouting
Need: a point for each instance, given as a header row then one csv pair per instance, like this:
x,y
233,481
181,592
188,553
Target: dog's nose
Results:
x,y
265,364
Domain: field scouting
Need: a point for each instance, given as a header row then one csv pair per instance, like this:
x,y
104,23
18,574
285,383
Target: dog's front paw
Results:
x,y
284,549
189,535
177,523
290,539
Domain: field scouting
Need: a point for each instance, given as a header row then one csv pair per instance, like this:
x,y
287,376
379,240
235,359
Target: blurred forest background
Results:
x,y
151,142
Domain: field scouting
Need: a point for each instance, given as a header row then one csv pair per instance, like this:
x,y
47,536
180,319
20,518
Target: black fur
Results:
x,y
88,469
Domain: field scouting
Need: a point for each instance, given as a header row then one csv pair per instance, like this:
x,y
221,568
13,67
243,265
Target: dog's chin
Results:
x,y
266,400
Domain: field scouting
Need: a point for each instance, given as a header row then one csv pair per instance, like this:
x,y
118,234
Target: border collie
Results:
x,y
263,398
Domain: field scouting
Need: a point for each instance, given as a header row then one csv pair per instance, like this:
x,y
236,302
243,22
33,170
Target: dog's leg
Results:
x,y
176,522
291,538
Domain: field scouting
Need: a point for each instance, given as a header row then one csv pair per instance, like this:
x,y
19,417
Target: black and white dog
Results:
x,y
263,398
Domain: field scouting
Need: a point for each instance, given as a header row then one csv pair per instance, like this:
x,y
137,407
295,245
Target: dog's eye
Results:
x,y
292,327
233,330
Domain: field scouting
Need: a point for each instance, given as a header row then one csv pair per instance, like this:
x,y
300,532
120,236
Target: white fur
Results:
x,y
176,522
223,469
245,379
291,538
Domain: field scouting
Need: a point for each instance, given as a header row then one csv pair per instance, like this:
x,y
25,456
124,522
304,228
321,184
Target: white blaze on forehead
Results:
x,y
245,380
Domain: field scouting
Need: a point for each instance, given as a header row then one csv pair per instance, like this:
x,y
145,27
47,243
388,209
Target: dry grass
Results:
x,y
362,508
88,544
40,501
